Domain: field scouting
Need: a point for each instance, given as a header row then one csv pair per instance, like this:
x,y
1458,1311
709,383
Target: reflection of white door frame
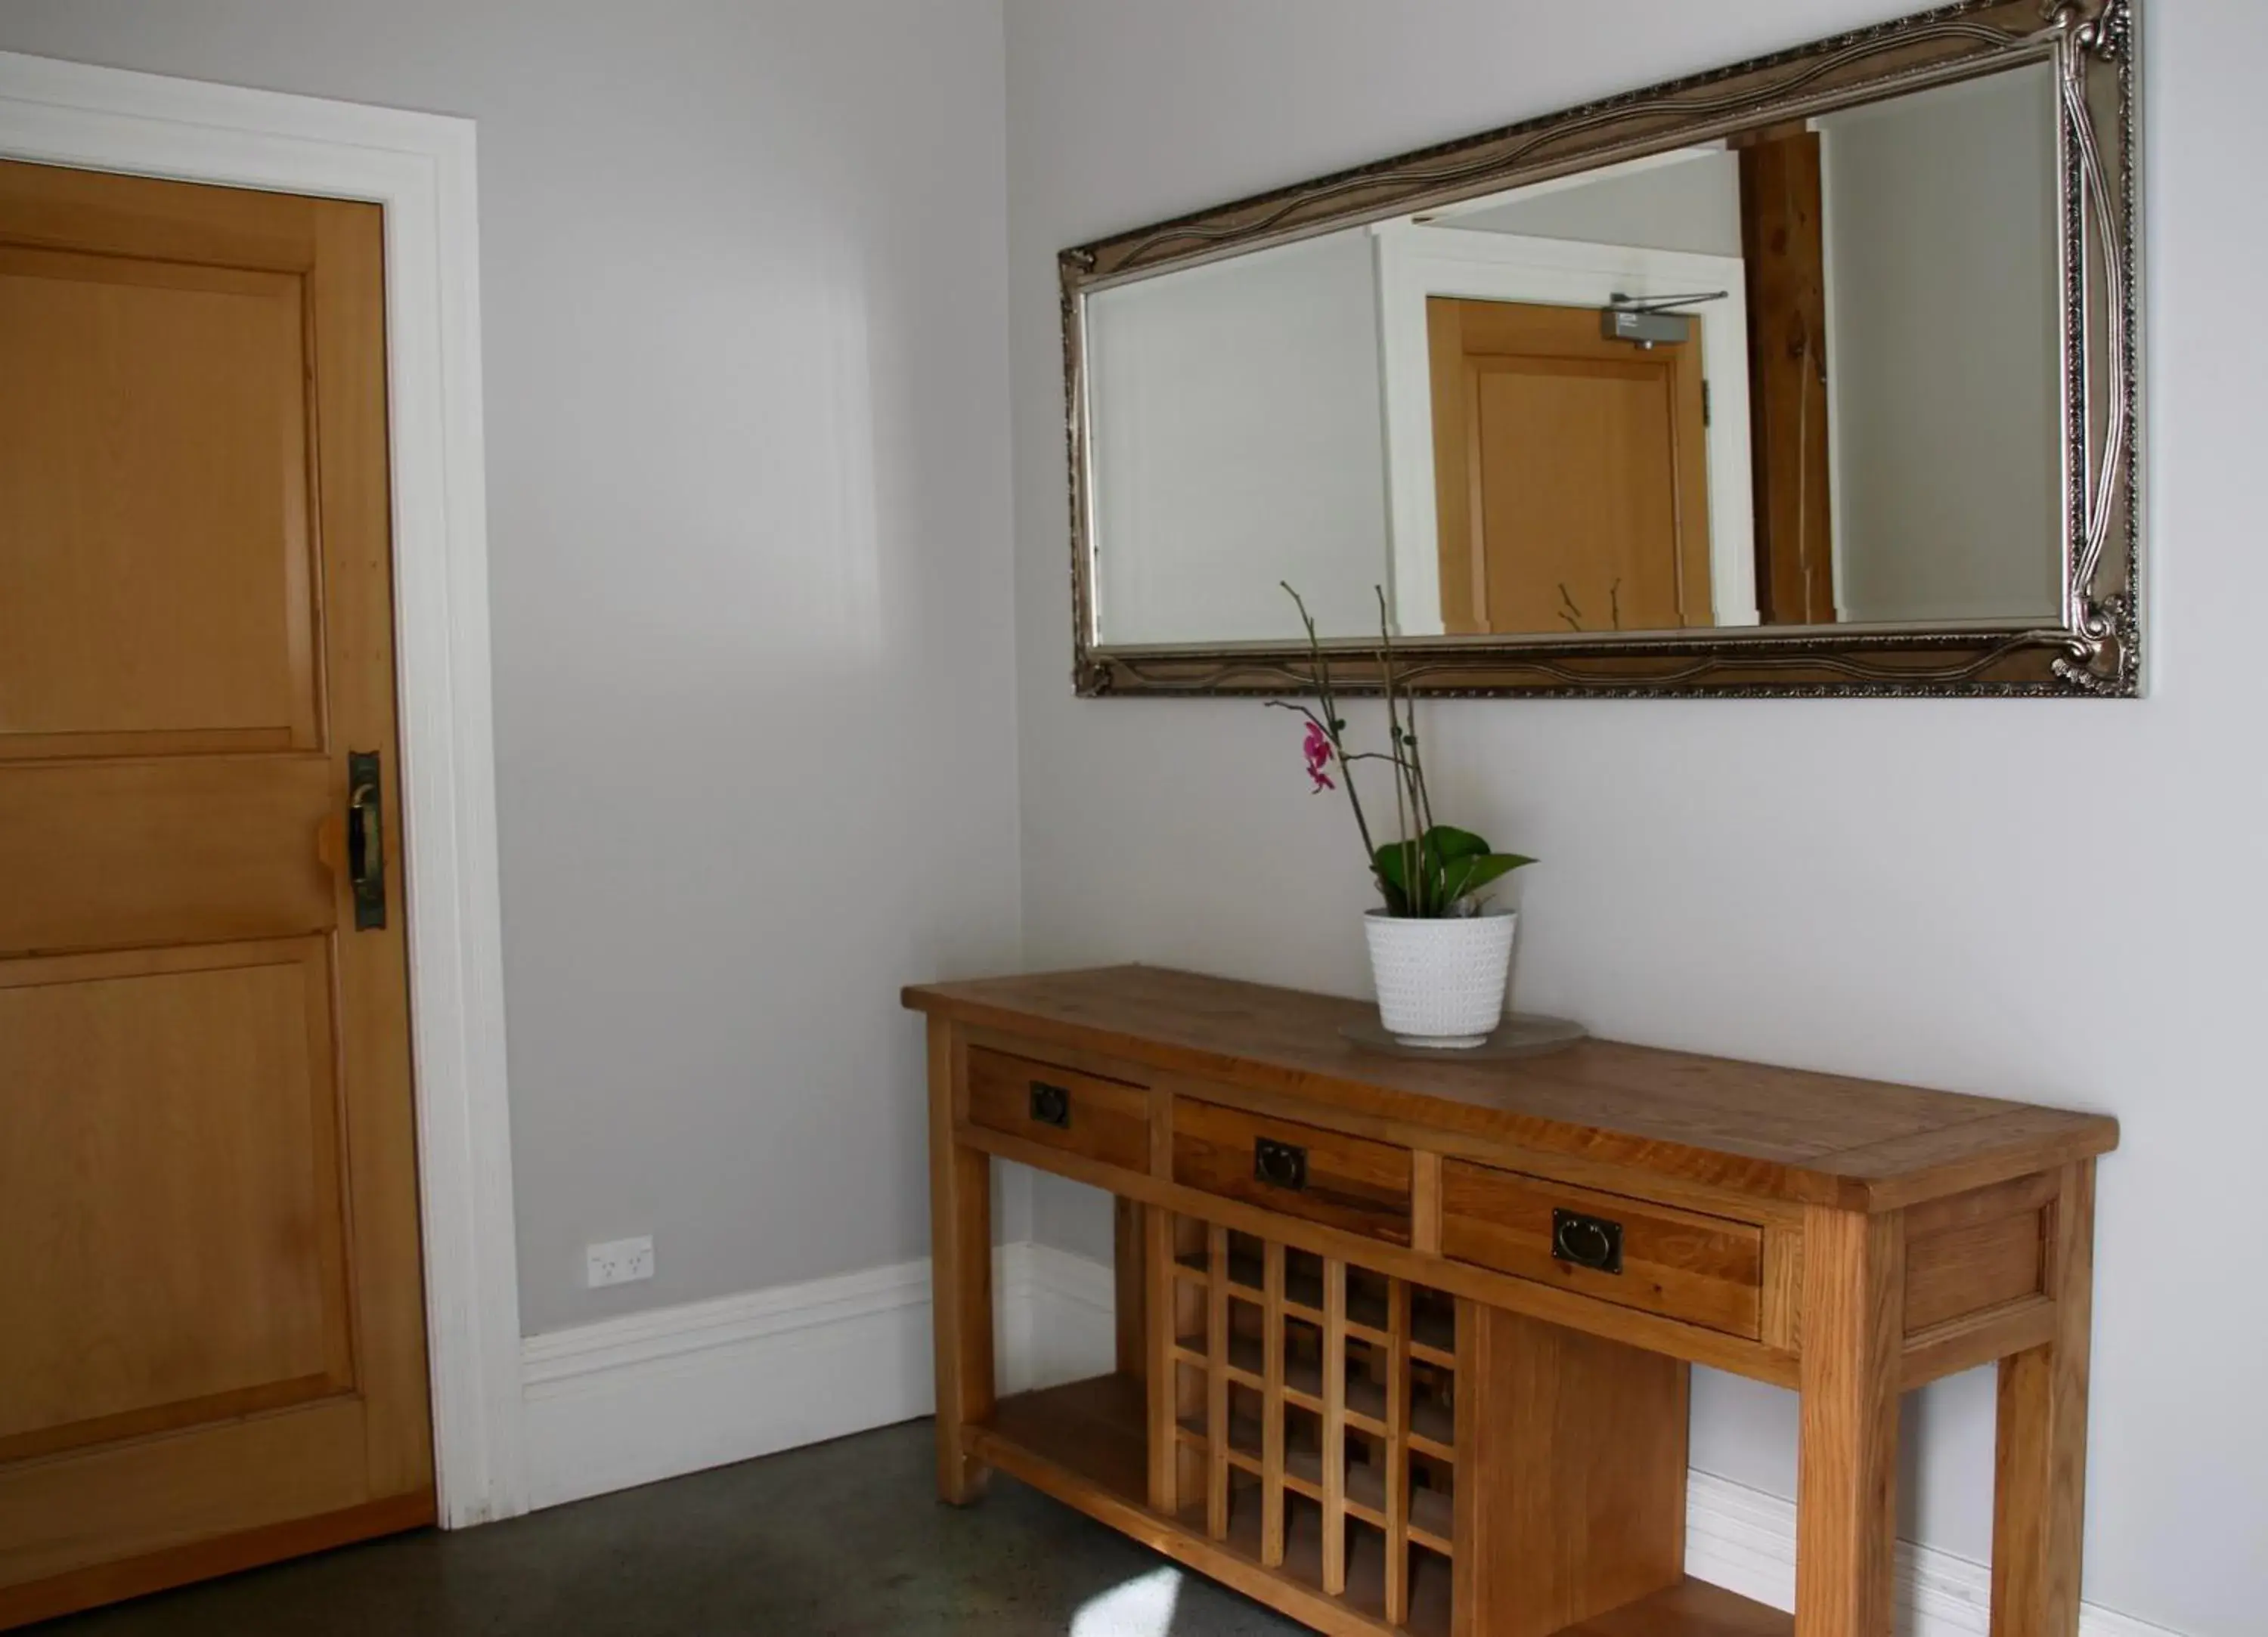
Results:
x,y
1416,260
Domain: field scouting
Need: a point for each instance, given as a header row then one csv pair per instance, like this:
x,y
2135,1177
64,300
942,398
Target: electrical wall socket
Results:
x,y
618,1261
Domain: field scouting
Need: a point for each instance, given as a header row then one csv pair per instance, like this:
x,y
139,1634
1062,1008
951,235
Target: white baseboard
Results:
x,y
1743,1539
629,1400
1059,1315
632,1400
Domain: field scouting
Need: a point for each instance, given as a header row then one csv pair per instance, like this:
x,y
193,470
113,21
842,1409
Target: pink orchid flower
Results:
x,y
1319,753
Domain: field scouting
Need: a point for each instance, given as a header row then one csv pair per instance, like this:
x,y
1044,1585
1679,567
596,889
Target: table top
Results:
x,y
1776,1132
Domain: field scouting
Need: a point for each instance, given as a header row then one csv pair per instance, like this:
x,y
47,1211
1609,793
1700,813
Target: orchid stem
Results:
x,y
1330,723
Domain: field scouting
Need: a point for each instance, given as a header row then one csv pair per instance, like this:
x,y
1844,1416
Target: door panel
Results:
x,y
124,1500
108,855
214,1346
1577,505
1571,473
197,572
196,1085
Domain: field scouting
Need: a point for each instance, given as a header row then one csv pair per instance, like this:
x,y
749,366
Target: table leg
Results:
x,y
960,1276
2040,1472
1162,1387
1128,1269
1846,1482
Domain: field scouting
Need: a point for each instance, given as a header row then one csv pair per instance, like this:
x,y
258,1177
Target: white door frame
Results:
x,y
419,167
1416,260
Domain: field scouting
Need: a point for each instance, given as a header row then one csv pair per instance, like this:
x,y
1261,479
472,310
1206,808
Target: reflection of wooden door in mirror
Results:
x,y
1571,473
212,1346
1784,245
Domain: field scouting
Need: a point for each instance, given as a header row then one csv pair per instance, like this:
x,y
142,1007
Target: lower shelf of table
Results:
x,y
1087,1444
1097,1430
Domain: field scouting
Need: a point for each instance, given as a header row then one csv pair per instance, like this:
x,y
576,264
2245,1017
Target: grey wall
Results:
x,y
743,301
1942,351
2053,901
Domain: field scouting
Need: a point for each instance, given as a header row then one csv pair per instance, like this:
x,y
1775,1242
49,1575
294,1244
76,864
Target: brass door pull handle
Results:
x,y
366,841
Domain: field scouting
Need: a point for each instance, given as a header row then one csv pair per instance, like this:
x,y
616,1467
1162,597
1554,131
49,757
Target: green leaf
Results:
x,y
1450,864
1465,875
1446,842
1390,863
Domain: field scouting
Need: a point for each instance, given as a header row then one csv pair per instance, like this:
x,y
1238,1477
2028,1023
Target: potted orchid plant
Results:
x,y
1439,956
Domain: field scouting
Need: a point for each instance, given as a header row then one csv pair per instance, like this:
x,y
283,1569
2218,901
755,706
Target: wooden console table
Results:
x,y
1404,1344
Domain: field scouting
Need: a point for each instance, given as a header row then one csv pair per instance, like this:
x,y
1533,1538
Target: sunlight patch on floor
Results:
x,y
1141,1607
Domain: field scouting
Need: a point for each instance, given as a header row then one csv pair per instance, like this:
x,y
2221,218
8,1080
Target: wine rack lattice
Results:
x,y
1314,1420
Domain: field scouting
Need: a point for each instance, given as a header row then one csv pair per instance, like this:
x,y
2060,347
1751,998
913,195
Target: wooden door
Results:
x,y
1784,250
212,1346
1571,473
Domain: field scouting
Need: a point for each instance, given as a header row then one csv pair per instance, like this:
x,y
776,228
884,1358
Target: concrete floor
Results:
x,y
841,1539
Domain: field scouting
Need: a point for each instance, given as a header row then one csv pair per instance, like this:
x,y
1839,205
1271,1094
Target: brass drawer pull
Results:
x,y
1591,1242
1279,1165
1050,1105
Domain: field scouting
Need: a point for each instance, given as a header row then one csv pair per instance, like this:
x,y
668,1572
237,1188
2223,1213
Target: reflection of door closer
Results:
x,y
1649,320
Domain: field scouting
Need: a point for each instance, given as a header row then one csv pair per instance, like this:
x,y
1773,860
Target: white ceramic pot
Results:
x,y
1440,983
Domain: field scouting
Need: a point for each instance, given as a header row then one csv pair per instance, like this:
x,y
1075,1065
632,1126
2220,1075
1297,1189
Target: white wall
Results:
x,y
743,293
2055,901
1240,447
1942,351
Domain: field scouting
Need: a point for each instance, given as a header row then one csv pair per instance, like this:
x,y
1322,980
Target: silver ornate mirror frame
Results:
x,y
2093,652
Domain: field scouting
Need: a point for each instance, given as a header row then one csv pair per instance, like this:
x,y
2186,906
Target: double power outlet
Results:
x,y
618,1261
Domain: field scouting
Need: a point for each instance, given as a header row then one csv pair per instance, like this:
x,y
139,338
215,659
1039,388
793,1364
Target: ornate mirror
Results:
x,y
1813,375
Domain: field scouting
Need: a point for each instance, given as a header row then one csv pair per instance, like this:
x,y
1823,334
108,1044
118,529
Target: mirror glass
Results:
x,y
1806,375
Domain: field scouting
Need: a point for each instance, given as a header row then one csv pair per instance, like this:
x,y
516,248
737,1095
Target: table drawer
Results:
x,y
1301,1171
1708,1270
1100,1119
